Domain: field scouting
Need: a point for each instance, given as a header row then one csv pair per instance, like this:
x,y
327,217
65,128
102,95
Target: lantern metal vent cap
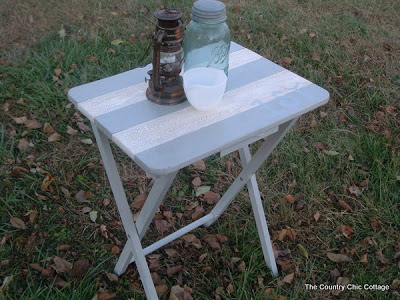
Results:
x,y
209,11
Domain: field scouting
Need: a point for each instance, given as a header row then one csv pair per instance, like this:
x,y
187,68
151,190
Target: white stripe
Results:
x,y
171,126
242,57
113,101
137,93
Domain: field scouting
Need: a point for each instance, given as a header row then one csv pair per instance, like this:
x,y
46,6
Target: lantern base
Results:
x,y
170,94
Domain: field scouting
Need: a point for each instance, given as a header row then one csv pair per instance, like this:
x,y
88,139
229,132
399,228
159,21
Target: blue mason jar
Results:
x,y
207,38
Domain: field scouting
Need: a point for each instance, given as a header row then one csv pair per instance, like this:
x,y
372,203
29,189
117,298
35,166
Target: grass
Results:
x,y
358,47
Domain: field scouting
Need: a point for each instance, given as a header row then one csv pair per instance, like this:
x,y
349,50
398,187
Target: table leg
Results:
x,y
153,201
253,165
125,212
259,214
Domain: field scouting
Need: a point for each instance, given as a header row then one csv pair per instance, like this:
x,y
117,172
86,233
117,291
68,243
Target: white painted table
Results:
x,y
262,99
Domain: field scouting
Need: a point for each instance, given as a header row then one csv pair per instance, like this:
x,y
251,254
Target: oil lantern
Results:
x,y
165,84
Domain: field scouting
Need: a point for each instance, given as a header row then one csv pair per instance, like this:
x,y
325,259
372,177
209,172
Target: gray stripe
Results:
x,y
114,83
144,111
209,140
235,47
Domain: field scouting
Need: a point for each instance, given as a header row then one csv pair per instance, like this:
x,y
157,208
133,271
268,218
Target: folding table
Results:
x,y
261,100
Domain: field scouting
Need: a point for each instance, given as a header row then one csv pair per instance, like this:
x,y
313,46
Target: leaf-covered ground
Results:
x,y
331,190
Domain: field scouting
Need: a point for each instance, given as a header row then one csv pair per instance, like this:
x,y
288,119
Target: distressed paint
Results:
x,y
117,82
143,111
209,140
122,98
171,126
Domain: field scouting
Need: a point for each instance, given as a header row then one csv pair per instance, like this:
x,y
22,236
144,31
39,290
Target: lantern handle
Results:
x,y
156,60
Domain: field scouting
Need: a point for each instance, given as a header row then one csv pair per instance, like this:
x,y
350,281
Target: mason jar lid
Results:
x,y
208,11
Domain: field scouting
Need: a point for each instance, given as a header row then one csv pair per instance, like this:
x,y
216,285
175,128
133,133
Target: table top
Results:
x,y
260,95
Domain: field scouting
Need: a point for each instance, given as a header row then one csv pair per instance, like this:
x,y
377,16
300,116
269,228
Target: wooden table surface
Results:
x,y
260,95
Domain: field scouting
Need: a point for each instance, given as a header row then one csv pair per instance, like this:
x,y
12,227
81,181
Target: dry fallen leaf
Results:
x,y
287,60
381,257
161,289
333,275
347,231
18,171
87,141
18,223
64,247
198,213
36,267
376,224
46,183
395,284
114,250
345,206
192,205
54,137
82,126
355,191
47,128
211,197
212,240
288,278
221,238
202,257
303,30
79,268
6,106
291,233
285,265
364,259
290,198
316,56
33,124
82,196
32,216
71,131
57,72
106,202
344,281
242,266
138,201
319,145
162,225
176,293
199,165
196,181
389,109
317,215
20,120
105,296
339,258
112,277
171,252
23,145
61,265
189,237
171,270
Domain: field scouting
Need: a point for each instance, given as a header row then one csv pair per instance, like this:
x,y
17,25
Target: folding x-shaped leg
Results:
x,y
133,251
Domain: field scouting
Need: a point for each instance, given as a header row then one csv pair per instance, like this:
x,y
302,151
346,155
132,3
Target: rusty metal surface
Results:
x,y
165,84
